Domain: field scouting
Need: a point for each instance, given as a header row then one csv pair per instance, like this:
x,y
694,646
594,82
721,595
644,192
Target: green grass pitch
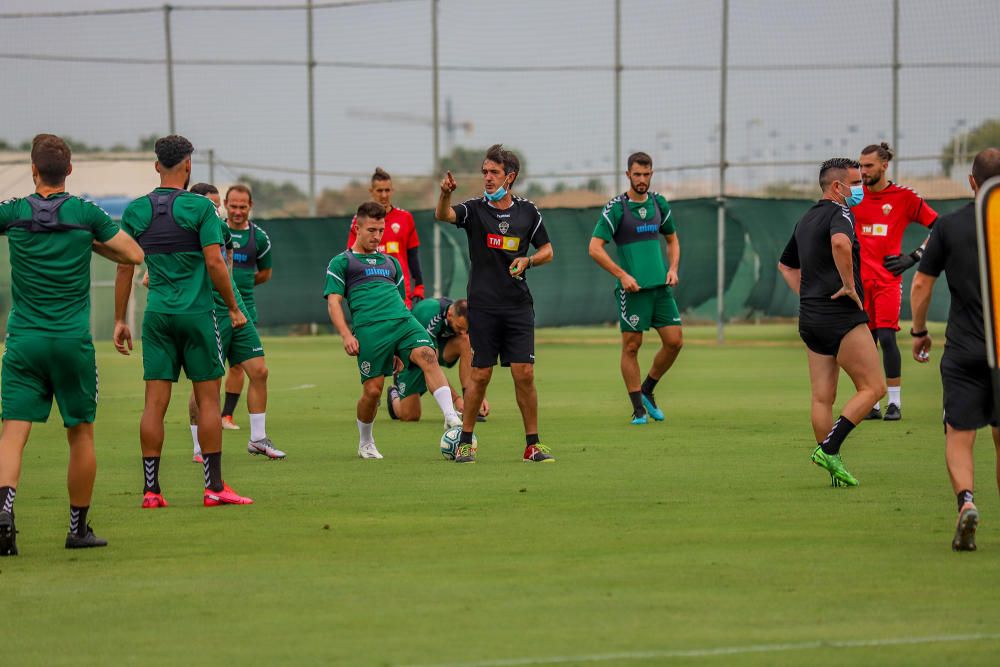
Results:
x,y
705,540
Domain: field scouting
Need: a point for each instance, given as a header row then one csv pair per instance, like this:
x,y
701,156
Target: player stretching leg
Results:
x,y
385,336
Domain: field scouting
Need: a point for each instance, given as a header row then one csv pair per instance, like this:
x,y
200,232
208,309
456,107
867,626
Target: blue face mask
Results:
x,y
496,196
857,195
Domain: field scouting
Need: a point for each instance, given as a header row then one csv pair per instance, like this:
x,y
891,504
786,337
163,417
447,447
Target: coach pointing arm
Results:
x,y
444,212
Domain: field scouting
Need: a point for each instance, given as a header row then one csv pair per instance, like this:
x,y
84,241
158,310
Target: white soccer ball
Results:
x,y
450,442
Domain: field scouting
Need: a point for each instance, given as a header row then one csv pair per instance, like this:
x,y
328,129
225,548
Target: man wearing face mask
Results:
x,y
500,227
880,220
821,263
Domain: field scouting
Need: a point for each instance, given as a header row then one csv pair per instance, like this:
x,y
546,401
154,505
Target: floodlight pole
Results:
x,y
436,124
895,86
169,47
211,166
720,259
311,93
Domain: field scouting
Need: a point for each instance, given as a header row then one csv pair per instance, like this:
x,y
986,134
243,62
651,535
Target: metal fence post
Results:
x,y
618,88
168,40
311,86
436,124
721,221
895,86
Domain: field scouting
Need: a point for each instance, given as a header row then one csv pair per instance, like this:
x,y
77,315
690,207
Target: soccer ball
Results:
x,y
450,441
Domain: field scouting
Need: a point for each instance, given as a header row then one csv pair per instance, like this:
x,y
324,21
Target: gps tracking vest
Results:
x,y
632,229
361,271
164,235
44,218
245,257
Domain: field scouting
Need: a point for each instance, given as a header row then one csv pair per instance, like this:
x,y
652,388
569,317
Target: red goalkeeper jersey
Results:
x,y
400,235
880,220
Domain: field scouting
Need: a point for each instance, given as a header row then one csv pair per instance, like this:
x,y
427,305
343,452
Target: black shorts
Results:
x,y
825,338
508,334
968,392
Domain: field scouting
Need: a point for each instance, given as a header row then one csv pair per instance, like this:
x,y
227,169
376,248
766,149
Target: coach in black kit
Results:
x,y
965,376
821,263
500,227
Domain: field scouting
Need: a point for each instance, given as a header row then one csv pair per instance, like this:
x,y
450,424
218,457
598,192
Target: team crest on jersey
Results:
x,y
633,320
366,368
504,226
642,213
886,209
236,244
372,261
395,227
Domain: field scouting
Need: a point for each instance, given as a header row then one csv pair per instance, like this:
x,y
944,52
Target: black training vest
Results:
x,y
164,235
44,216
364,271
245,257
632,229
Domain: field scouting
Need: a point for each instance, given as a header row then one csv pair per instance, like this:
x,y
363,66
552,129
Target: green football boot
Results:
x,y
833,465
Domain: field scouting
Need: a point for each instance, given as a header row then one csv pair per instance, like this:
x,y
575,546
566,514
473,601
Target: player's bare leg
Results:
x,y
193,421
371,393
82,470
631,342
479,380
408,409
858,357
460,348
527,396
672,340
437,384
151,440
823,375
234,387
961,469
259,444
217,492
12,441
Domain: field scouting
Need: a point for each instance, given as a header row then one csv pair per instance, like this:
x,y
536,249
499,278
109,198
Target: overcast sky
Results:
x,y
810,79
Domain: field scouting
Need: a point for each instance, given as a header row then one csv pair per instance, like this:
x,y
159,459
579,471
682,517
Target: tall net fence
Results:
x,y
732,98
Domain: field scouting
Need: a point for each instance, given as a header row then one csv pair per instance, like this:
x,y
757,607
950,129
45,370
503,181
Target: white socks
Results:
x,y
257,431
443,398
194,438
365,430
894,396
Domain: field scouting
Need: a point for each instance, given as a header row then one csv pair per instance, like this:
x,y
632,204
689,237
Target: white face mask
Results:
x,y
221,211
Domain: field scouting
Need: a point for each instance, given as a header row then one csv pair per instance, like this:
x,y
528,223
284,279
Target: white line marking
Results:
x,y
713,652
301,387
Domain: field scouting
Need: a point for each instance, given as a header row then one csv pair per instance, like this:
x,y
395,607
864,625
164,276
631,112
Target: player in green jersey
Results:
x,y
384,336
447,322
49,352
181,235
251,267
240,346
635,221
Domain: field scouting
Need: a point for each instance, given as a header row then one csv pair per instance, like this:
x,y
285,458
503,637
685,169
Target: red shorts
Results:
x,y
882,302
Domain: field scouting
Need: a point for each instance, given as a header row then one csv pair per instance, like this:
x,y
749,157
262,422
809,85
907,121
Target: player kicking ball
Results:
x,y
385,337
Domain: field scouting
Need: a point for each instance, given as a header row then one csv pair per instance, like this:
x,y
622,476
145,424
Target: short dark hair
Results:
x,y
639,158
241,187
834,168
884,152
986,165
380,175
371,209
497,153
204,189
51,156
172,150
461,308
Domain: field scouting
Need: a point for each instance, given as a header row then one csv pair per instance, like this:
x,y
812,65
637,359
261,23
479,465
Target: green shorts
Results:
x,y
382,341
36,369
411,379
188,340
651,307
241,344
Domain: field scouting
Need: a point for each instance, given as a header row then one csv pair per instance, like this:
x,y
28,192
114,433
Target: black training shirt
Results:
x,y
953,248
496,238
810,251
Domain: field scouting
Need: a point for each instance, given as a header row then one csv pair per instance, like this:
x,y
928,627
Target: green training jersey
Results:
x,y
433,316
637,236
178,281
50,271
221,309
372,285
251,253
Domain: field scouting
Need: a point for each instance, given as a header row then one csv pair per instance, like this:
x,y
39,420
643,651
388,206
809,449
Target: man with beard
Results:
x,y
880,220
181,235
634,221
